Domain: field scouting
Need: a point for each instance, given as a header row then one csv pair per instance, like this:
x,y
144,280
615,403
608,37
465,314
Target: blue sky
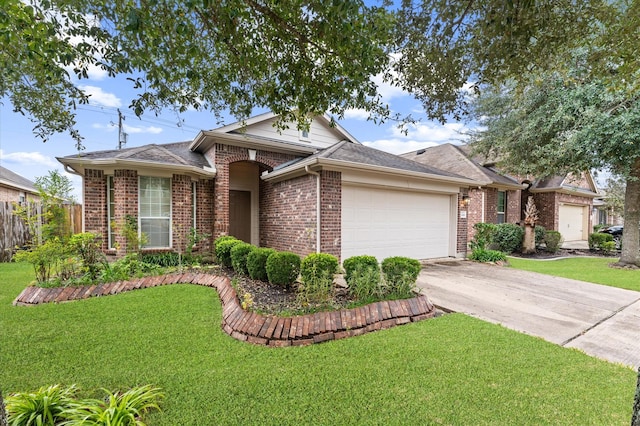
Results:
x,y
27,155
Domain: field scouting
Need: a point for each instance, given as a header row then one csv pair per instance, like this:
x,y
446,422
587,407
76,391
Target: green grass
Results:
x,y
590,269
449,370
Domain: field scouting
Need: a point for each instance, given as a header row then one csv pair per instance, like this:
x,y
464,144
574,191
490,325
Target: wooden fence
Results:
x,y
15,233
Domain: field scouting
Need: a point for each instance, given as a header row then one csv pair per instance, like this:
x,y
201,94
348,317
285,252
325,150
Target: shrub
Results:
x,y
553,240
166,260
283,268
239,254
508,237
45,258
257,263
487,256
130,266
400,275
87,247
223,251
597,240
362,274
317,271
539,230
608,247
46,406
483,235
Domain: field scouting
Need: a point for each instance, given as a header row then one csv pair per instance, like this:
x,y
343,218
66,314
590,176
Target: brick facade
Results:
x,y
288,215
463,231
548,204
95,204
331,213
181,211
125,188
204,213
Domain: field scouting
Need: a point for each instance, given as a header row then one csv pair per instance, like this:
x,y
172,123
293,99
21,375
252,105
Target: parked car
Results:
x,y
616,232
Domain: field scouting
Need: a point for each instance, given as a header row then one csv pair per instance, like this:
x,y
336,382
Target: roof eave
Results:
x,y
207,138
17,186
568,191
78,164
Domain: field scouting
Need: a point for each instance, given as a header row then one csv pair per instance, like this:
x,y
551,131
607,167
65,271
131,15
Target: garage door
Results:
x,y
571,222
388,222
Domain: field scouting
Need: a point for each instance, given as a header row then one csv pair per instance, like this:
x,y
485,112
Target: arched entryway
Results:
x,y
244,193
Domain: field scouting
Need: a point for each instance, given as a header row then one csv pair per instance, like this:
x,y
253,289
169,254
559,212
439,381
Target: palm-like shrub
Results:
x,y
46,406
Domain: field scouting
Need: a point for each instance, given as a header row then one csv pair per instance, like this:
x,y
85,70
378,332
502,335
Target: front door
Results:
x,y
240,215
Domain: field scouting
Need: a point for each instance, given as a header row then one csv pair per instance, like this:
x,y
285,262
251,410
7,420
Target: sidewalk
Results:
x,y
602,321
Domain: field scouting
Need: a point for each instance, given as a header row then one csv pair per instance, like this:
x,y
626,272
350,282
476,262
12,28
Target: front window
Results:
x,y
111,212
155,211
502,202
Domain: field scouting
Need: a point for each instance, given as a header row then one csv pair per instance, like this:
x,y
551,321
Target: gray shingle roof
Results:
x,y
177,153
14,178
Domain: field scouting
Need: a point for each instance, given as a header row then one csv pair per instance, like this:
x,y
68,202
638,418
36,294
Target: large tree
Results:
x,y
294,57
562,123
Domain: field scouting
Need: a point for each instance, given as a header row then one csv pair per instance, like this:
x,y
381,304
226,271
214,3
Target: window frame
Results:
x,y
111,234
141,218
501,214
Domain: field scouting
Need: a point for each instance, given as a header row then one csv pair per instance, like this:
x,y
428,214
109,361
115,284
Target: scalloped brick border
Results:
x,y
268,330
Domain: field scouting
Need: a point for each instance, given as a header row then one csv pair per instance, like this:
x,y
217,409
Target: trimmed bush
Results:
x,y
400,275
483,236
239,253
553,241
223,250
487,256
257,263
539,230
597,240
608,247
358,262
508,237
317,271
283,268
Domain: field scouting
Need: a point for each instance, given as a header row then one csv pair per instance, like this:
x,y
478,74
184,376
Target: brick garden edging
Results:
x,y
247,326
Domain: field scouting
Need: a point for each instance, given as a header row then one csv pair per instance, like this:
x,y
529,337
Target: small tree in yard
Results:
x,y
530,219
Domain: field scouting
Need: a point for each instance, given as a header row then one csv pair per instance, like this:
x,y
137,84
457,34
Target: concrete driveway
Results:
x,y
601,321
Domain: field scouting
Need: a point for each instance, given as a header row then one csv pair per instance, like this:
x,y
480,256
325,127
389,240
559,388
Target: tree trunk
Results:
x,y
635,418
631,236
529,241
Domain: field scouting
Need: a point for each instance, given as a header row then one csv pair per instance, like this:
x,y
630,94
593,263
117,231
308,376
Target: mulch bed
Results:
x,y
541,254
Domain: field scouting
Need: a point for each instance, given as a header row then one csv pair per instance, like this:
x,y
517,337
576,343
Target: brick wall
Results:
x,y
204,212
474,211
463,231
288,215
181,211
125,187
95,204
331,213
514,208
547,210
222,155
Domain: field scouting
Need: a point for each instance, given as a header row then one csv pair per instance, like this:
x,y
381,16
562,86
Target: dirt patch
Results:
x,y
541,254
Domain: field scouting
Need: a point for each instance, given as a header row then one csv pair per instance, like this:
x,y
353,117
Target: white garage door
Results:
x,y
571,222
388,222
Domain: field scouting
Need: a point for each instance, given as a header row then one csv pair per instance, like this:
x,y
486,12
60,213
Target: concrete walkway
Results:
x,y
601,321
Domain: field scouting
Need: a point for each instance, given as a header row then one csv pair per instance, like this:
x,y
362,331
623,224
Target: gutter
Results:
x,y
318,221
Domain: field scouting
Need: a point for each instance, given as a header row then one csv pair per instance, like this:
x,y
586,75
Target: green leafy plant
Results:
x,y
46,406
539,230
87,247
508,237
223,246
598,239
135,240
257,263
362,274
165,259
400,275
487,256
608,247
117,409
283,268
239,253
317,270
483,235
45,258
553,241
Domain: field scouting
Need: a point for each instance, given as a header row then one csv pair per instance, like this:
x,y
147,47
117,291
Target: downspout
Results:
x,y
317,175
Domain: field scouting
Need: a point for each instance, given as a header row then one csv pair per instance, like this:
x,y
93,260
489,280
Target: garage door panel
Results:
x,y
571,221
385,222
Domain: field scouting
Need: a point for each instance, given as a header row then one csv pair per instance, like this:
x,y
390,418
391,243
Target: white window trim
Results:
x,y
153,217
110,243
504,207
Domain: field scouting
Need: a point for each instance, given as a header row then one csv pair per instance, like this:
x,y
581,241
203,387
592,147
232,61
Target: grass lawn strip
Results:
x,y
590,269
451,370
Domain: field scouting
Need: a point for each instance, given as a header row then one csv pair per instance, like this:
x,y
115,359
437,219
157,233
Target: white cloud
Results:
x,y
356,114
386,90
142,129
29,159
99,97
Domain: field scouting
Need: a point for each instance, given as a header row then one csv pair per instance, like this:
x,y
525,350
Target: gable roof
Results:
x,y
347,155
172,155
14,180
457,159
583,185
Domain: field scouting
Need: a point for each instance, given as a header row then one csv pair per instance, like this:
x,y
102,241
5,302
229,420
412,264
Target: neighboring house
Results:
x,y
564,202
15,188
604,214
291,190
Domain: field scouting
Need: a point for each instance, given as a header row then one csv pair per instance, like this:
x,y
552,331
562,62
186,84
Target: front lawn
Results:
x,y
590,269
449,370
